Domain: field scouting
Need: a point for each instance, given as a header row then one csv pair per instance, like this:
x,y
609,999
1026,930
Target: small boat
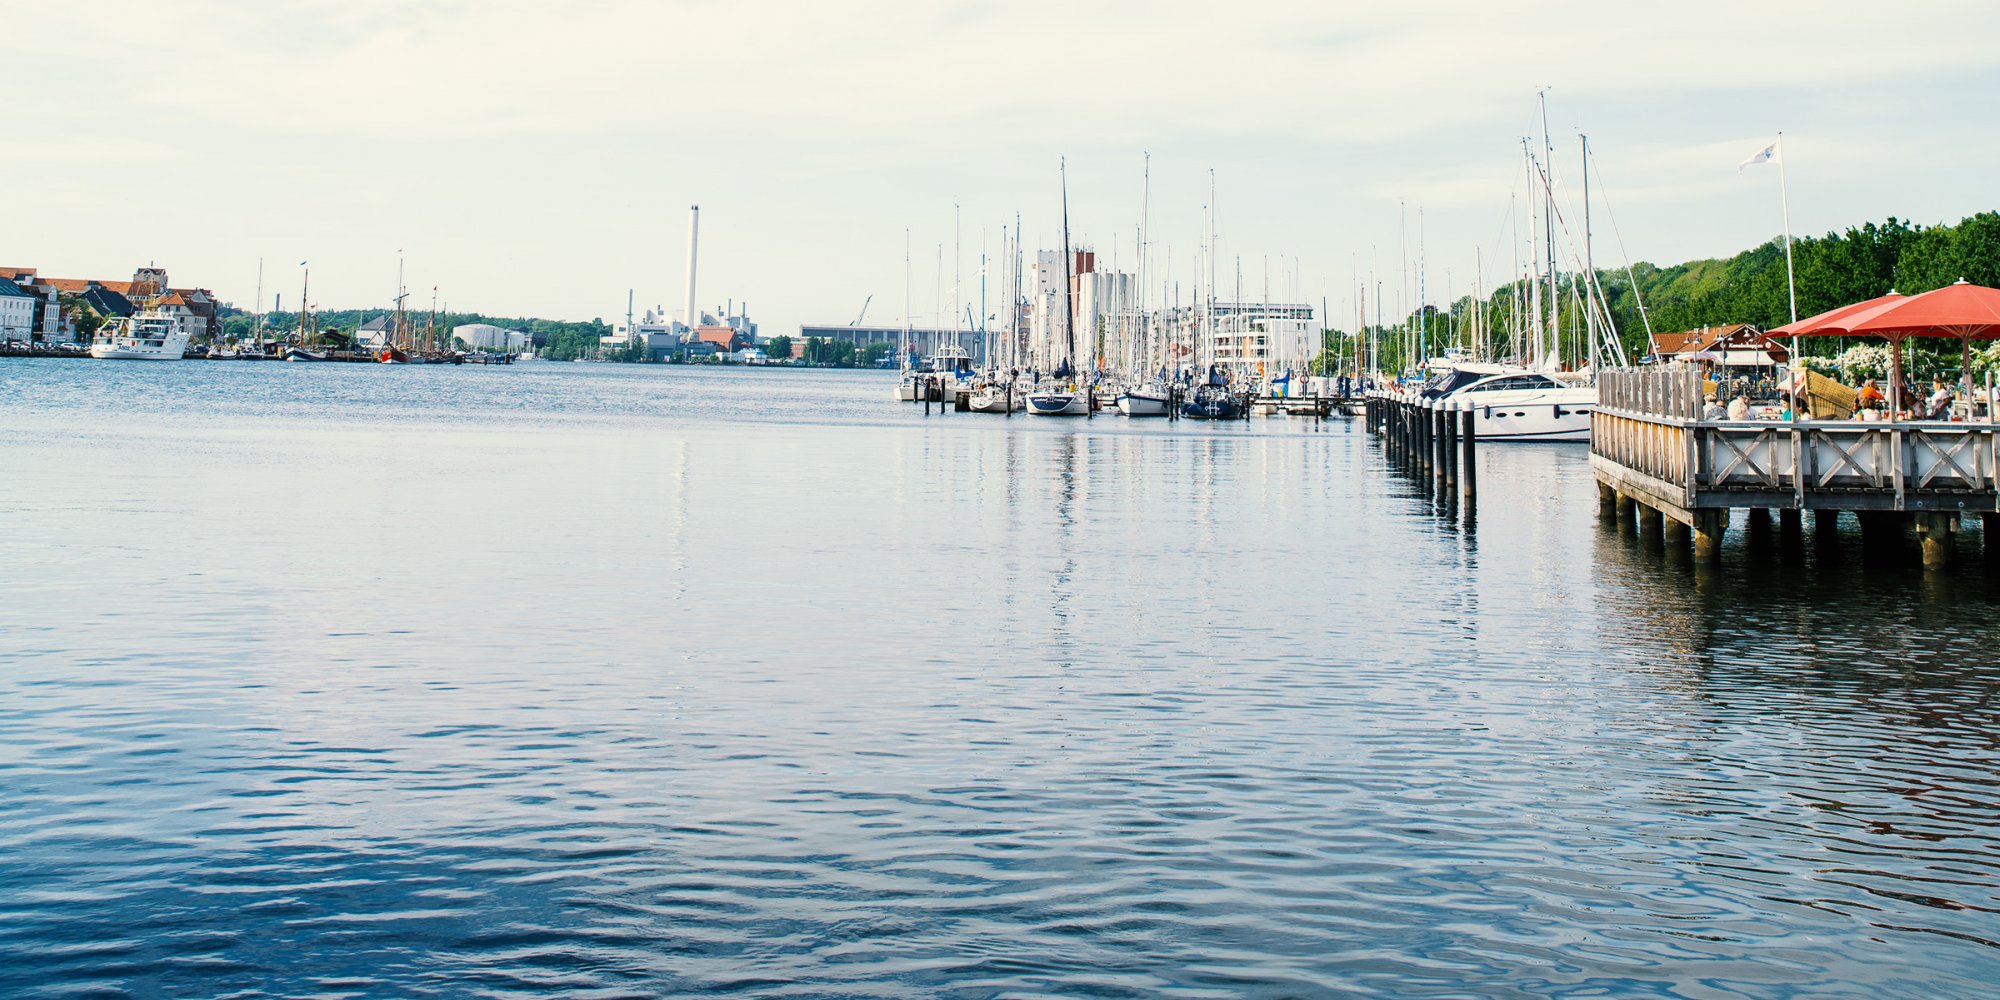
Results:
x,y
301,354
1212,402
147,336
1065,401
1150,400
393,356
995,396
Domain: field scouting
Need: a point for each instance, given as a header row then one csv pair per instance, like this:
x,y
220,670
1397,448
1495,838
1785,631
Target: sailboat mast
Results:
x,y
1549,224
397,334
305,293
1069,312
957,275
1014,300
1589,266
985,343
1145,361
257,321
906,297
1210,338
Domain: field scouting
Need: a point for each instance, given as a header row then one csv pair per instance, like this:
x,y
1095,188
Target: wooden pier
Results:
x,y
1660,464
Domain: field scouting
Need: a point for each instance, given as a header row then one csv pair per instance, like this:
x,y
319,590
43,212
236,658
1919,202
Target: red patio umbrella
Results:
x,y
1966,311
1833,322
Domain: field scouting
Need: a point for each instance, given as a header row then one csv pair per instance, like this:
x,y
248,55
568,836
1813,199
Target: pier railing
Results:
x,y
1648,439
1668,391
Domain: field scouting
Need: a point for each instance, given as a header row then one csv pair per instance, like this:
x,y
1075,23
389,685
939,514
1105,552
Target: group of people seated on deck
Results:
x,y
1740,409
1869,405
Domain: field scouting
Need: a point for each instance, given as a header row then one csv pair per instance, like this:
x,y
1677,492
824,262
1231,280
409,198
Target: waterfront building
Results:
x,y
487,337
1735,345
1262,337
49,323
17,311
197,308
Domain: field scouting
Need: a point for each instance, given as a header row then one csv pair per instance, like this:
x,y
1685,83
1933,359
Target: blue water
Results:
x,y
607,681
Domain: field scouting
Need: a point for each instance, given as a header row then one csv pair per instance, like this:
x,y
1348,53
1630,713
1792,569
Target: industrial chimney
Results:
x,y
694,234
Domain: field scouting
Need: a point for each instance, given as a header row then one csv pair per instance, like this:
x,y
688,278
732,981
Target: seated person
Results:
x,y
1739,408
1870,396
1938,406
1713,411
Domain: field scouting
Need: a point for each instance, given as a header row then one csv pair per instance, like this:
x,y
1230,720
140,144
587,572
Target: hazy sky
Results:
x,y
538,158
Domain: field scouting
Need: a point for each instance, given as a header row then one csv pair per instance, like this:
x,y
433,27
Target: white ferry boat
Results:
x,y
146,336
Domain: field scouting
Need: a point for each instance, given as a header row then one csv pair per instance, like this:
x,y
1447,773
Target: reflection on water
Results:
x,y
607,681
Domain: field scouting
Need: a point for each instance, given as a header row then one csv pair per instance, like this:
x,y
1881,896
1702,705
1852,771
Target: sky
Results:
x,y
529,158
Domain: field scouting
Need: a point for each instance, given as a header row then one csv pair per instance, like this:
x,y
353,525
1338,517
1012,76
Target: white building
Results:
x,y
487,337
17,311
1262,338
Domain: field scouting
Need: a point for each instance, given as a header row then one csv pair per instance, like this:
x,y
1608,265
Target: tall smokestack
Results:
x,y
694,235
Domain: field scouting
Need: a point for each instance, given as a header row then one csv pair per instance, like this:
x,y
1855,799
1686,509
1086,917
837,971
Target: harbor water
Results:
x,y
609,681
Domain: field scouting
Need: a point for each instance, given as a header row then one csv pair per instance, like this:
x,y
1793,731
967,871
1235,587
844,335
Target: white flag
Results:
x,y
1761,156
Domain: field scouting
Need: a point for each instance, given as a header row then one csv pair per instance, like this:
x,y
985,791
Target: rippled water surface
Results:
x,y
593,680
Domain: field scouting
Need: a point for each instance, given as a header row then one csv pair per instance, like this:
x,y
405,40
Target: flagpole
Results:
x,y
1791,282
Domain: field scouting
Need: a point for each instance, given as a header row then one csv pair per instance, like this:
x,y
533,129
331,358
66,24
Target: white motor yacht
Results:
x,y
146,336
1516,404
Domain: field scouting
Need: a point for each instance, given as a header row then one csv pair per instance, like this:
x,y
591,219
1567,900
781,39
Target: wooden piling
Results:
x,y
1934,531
1468,477
1675,539
1710,525
1651,528
1882,534
1791,534
1607,502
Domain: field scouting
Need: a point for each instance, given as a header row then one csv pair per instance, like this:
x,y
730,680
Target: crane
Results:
x,y
864,310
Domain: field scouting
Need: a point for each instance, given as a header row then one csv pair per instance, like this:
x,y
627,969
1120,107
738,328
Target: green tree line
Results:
x,y
1833,270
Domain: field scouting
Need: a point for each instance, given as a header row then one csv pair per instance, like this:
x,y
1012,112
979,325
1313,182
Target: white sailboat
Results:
x,y
1063,396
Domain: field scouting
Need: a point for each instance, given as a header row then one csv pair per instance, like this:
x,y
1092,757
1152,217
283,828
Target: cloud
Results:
x,y
502,134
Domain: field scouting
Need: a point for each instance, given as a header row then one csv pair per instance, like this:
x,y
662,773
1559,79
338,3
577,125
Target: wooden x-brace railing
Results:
x,y
1743,458
1847,459
1948,458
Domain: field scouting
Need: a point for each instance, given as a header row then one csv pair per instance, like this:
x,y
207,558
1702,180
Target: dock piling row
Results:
x,y
1434,439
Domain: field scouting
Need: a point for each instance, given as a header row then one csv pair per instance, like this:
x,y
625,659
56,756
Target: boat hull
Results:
x,y
1555,417
1212,406
111,353
1058,404
993,401
125,349
1142,404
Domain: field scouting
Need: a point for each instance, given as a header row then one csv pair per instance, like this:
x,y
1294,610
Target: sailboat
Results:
x,y
1536,400
1153,397
307,333
1064,396
1213,399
